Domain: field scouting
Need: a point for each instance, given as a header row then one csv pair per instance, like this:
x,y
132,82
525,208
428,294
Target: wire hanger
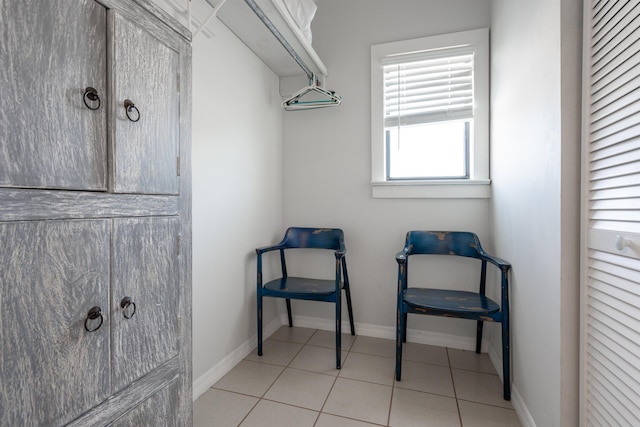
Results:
x,y
320,97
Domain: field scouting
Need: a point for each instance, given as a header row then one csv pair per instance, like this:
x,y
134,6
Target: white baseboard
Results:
x,y
521,408
209,378
389,332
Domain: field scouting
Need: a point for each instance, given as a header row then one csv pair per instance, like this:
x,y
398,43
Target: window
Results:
x,y
429,116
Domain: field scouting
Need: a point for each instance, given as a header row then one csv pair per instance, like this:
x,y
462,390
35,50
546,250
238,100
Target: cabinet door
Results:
x,y
50,52
51,274
145,269
161,409
146,134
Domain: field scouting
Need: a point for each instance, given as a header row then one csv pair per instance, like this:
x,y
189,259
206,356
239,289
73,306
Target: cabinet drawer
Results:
x,y
51,274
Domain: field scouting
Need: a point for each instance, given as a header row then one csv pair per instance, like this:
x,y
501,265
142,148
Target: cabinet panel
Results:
x,y
51,274
145,269
50,52
147,139
161,409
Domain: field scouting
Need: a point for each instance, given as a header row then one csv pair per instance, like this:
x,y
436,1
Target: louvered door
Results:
x,y
610,375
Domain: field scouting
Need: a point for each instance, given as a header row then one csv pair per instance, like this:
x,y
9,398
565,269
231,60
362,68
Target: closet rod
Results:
x,y
256,9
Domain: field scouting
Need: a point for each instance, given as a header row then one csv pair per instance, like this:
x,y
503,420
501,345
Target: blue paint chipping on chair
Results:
x,y
303,288
452,303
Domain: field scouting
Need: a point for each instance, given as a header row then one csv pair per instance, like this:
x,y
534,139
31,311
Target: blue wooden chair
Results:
x,y
307,288
452,303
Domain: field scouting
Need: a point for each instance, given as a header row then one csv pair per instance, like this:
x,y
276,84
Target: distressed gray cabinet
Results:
x,y
52,273
56,104
145,69
50,52
145,270
155,411
95,214
58,362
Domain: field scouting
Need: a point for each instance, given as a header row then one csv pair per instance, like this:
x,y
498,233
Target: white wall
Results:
x,y
248,187
535,170
237,192
327,158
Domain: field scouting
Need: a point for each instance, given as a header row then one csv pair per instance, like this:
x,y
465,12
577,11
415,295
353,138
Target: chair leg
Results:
x,y
404,328
479,336
289,312
349,309
506,358
338,330
259,317
400,338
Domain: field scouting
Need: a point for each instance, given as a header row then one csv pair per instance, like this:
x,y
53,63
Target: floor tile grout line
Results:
x,y
348,352
393,392
321,411
235,392
453,384
250,411
262,397
290,404
335,379
292,342
492,405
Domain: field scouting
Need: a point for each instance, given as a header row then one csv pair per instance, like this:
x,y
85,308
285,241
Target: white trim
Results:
x,y
479,152
437,189
521,409
213,375
389,332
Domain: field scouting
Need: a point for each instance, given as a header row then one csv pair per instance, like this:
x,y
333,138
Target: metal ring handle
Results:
x,y
92,95
93,314
129,106
125,304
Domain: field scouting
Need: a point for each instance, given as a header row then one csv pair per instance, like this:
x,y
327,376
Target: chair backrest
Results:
x,y
459,243
315,238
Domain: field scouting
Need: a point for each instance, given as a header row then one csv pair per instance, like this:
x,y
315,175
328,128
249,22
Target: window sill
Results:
x,y
439,189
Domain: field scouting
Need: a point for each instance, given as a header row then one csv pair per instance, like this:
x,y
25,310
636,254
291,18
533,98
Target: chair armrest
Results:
x,y
340,253
498,262
401,257
264,249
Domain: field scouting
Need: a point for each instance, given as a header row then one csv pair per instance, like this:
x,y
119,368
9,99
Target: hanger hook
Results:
x,y
312,79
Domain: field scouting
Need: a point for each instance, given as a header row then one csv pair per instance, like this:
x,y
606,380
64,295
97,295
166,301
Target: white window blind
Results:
x,y
429,98
427,87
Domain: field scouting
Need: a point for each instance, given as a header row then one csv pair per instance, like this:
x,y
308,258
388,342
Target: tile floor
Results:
x,y
295,383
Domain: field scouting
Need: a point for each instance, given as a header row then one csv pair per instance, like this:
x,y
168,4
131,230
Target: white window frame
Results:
x,y
478,183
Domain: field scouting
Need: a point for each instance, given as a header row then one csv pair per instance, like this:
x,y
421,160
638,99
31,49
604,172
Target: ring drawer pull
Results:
x,y
128,307
93,314
129,108
92,96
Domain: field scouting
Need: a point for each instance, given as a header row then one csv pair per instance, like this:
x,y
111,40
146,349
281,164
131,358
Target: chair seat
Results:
x,y
301,287
443,301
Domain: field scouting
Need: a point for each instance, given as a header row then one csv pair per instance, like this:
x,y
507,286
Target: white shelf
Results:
x,y
241,19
